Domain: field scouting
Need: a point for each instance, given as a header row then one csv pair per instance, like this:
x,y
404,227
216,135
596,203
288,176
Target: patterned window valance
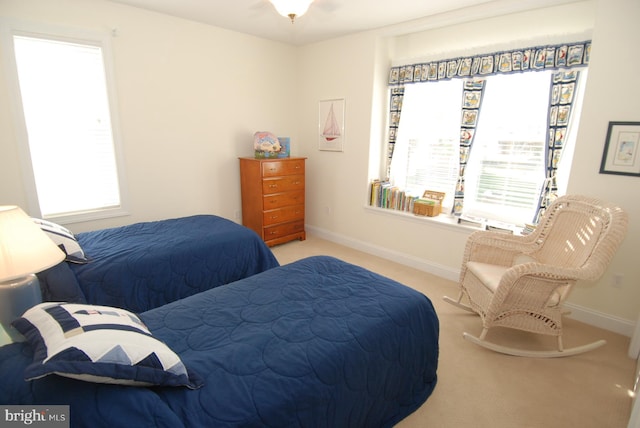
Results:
x,y
549,57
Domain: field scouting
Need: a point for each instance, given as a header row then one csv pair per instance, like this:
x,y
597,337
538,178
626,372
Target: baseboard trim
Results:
x,y
579,313
395,256
601,320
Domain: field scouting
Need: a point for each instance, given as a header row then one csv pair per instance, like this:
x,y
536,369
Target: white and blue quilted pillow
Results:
x,y
99,344
64,239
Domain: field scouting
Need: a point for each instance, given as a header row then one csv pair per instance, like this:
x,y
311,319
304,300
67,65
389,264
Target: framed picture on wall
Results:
x,y
331,125
622,149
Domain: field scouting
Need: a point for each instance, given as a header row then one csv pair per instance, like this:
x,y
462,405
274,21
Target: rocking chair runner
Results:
x,y
521,282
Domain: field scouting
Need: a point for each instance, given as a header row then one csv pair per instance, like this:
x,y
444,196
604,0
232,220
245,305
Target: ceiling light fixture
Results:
x,y
291,8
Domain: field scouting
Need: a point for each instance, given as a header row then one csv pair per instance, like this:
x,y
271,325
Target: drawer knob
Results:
x,y
273,186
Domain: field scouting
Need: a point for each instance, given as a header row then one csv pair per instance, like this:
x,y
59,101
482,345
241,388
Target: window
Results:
x,y
426,152
505,172
69,139
506,167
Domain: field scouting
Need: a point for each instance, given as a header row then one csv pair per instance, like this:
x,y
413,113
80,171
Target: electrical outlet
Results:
x,y
616,280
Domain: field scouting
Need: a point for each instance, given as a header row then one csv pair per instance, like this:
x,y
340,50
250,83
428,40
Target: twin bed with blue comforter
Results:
x,y
145,265
318,342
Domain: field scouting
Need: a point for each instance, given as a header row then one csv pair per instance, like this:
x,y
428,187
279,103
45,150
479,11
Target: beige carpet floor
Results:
x,y
480,388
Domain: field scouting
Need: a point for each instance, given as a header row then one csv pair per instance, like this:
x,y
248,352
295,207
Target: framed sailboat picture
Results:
x,y
331,125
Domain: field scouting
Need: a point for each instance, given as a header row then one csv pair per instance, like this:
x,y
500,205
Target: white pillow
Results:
x,y
64,239
99,344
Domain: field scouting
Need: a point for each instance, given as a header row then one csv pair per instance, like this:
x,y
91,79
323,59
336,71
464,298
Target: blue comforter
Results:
x,y
316,343
146,265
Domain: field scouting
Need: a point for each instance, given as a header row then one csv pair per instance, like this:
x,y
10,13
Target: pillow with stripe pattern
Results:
x,y
99,344
64,239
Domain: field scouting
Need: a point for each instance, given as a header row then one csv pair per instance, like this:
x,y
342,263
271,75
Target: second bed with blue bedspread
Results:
x,y
316,343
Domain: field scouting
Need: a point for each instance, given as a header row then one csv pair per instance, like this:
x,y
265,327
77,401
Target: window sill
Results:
x,y
79,217
446,221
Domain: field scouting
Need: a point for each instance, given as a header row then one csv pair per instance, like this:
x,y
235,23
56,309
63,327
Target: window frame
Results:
x,y
562,56
9,29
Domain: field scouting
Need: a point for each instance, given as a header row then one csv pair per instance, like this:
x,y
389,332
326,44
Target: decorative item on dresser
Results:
x,y
273,198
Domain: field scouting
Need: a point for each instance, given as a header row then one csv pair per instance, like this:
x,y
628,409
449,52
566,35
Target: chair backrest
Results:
x,y
580,232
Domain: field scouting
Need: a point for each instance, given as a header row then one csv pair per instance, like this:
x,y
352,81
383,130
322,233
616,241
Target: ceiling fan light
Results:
x,y
291,8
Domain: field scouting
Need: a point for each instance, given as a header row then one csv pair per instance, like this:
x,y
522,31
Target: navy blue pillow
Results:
x,y
59,284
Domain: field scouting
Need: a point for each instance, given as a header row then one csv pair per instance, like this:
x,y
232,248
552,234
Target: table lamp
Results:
x,y
24,250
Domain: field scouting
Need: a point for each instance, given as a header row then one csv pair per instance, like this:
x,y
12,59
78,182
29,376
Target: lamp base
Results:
x,y
16,296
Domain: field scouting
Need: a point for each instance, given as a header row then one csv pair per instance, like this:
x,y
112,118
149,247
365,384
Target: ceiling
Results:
x,y
324,20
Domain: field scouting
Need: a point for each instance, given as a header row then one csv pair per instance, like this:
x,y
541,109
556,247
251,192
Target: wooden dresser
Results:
x,y
273,198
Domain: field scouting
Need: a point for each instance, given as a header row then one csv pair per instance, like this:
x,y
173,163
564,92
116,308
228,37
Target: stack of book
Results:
x,y
383,194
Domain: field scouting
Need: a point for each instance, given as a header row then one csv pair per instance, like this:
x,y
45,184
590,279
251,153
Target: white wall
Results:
x,y
439,248
190,98
612,94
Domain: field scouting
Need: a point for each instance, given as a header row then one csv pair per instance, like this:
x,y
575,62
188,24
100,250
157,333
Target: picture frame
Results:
x,y
331,125
621,154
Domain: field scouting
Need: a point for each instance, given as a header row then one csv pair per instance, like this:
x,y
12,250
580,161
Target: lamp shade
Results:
x,y
291,7
24,247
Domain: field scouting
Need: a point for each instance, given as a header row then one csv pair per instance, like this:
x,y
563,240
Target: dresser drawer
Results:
x,y
282,184
277,168
278,231
279,200
282,215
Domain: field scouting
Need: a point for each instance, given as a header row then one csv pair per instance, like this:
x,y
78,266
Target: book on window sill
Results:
x,y
374,192
471,221
500,227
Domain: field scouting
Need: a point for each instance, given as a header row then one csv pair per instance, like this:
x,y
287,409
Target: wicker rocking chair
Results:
x,y
521,282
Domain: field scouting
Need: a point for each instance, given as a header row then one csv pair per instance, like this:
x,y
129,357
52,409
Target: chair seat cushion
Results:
x,y
488,274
